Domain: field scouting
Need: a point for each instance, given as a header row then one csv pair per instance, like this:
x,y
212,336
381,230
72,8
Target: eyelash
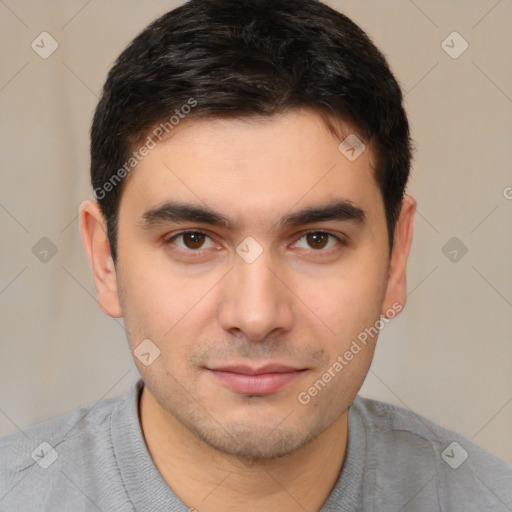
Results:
x,y
341,241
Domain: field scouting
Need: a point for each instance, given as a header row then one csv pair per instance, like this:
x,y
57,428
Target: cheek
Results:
x,y
166,309
347,302
148,302
151,289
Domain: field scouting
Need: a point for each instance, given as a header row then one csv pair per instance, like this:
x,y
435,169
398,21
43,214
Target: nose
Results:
x,y
257,300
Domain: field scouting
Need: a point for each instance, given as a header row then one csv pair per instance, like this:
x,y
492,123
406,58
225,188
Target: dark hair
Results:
x,y
243,58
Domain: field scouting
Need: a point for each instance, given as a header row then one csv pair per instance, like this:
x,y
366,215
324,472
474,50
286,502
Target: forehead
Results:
x,y
258,166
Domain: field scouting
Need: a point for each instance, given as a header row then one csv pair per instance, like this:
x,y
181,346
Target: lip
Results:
x,y
262,380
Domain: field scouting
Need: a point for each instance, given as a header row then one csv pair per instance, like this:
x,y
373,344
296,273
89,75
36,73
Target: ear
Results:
x,y
396,290
97,247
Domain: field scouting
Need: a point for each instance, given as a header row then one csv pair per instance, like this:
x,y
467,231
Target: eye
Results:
x,y
319,240
194,241
191,240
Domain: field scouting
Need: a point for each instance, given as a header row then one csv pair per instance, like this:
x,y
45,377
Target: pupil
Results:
x,y
194,240
317,240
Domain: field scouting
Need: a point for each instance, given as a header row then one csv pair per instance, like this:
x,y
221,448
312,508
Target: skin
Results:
x,y
301,303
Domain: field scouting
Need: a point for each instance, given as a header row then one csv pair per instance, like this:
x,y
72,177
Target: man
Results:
x,y
249,160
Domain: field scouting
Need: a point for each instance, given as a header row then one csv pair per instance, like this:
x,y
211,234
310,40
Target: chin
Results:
x,y
253,444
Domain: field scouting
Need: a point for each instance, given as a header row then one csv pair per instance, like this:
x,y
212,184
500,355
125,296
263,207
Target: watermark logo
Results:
x,y
146,352
454,45
454,455
351,147
44,250
454,249
45,455
249,250
44,45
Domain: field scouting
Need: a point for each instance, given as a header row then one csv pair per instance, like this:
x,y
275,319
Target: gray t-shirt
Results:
x,y
95,459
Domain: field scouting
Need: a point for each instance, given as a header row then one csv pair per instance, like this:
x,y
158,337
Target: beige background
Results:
x,y
448,356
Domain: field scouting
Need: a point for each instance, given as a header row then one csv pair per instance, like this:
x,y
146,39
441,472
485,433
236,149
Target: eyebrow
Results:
x,y
342,210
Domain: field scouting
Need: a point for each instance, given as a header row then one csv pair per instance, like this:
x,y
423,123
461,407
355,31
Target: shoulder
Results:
x,y
415,455
66,431
36,463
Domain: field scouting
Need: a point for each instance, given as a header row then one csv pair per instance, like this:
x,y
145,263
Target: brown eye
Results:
x,y
193,240
317,240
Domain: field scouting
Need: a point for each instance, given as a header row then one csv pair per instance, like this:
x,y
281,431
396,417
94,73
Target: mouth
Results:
x,y
248,380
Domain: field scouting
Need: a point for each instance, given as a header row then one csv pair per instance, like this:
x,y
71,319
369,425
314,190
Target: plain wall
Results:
x,y
447,356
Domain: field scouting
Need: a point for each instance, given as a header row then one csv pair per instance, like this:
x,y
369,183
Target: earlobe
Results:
x,y
396,290
97,247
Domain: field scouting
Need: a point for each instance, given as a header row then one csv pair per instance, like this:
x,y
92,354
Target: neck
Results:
x,y
209,481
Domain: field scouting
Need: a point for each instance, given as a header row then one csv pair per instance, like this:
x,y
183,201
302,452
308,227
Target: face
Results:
x,y
253,253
